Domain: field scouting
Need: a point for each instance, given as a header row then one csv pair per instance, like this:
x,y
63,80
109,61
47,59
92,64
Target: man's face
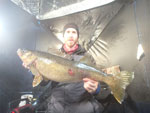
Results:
x,y
70,37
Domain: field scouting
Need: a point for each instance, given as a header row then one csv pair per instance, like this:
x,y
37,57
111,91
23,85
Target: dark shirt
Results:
x,y
72,97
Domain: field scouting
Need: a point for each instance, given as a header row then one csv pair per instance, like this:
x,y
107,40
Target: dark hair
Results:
x,y
71,25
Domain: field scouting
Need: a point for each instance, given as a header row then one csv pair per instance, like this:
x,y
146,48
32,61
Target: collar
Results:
x,y
70,50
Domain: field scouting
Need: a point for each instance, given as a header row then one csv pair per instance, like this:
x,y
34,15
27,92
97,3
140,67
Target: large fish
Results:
x,y
56,68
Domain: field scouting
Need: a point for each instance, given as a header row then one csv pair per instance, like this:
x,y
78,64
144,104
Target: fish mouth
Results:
x,y
19,52
71,40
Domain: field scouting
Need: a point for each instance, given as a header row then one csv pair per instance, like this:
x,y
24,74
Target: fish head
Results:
x,y
27,57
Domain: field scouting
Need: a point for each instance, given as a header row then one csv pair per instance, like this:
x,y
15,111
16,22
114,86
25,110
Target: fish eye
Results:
x,y
74,32
24,51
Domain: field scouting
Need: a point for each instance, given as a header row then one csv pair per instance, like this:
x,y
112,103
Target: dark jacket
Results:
x,y
72,97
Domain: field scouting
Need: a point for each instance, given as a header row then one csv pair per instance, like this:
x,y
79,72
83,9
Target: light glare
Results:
x,y
140,51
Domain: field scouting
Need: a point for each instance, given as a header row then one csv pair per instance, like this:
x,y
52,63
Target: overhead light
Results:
x,y
140,52
59,46
73,8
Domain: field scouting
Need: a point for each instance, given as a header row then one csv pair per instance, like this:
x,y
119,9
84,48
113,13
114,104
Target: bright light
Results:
x,y
74,8
59,46
140,51
60,37
0,27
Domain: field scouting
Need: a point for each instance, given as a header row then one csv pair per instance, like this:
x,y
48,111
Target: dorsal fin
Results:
x,y
56,52
59,53
87,59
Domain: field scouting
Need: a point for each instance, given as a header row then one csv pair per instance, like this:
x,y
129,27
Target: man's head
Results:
x,y
71,34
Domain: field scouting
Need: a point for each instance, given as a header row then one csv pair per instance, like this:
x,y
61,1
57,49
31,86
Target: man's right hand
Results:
x,y
90,85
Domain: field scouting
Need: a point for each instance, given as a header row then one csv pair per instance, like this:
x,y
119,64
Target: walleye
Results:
x,y
56,68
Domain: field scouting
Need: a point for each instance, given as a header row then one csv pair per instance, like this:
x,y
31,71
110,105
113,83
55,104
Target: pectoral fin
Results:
x,y
37,76
37,80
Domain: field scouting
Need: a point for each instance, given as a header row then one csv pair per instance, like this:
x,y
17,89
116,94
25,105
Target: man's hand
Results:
x,y
90,85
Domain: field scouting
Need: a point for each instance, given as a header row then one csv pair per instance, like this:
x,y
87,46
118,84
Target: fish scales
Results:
x,y
44,65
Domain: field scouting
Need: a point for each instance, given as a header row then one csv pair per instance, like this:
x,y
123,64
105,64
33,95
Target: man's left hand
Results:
x,y
90,85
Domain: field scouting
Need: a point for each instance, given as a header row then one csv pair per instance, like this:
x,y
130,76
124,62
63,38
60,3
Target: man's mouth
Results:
x,y
71,40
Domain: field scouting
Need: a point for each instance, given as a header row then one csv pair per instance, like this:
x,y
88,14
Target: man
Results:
x,y
78,97
71,46
74,97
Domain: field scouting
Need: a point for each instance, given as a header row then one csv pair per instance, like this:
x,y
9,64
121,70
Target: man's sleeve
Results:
x,y
104,91
44,83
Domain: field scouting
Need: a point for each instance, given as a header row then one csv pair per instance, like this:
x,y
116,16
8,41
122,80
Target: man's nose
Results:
x,y
71,35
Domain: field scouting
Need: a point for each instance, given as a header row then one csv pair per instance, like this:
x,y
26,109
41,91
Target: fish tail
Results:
x,y
119,84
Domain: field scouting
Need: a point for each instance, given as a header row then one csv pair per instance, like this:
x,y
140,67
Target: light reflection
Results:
x,y
140,51
83,66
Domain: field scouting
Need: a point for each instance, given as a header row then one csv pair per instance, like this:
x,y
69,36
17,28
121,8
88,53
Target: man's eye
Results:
x,y
73,32
68,31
